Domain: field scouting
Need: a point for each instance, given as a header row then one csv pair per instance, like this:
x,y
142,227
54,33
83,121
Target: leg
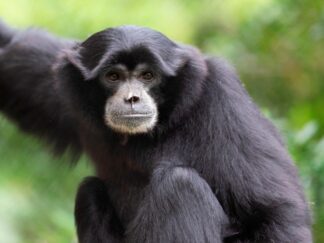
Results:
x,y
178,207
95,217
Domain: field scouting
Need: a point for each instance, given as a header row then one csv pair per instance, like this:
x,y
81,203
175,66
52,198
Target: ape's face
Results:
x,y
130,108
131,78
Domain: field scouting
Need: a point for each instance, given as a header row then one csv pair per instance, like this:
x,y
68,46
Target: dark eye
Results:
x,y
147,76
112,77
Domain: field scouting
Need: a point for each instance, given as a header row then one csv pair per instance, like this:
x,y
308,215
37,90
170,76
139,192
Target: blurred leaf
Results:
x,y
305,134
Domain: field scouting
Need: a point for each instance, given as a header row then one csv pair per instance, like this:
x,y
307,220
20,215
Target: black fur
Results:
x,y
213,169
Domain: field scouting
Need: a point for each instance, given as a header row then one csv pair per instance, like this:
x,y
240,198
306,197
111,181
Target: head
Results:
x,y
127,78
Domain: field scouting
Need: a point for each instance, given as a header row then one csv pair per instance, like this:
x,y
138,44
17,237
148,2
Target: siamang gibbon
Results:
x,y
181,152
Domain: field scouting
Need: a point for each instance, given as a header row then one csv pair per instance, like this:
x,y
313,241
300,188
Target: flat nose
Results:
x,y
132,99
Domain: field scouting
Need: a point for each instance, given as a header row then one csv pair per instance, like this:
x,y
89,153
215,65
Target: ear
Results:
x,y
181,56
170,61
88,57
76,58
73,57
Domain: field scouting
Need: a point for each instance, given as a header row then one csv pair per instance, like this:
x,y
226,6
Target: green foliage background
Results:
x,y
277,47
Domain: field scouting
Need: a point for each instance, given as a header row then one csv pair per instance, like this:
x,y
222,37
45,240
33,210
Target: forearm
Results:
x,y
95,216
277,214
275,233
287,222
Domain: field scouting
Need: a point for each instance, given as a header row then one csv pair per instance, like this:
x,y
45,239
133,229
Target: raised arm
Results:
x,y
28,93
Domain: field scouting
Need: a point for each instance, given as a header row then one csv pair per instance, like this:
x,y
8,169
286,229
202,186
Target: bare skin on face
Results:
x,y
131,110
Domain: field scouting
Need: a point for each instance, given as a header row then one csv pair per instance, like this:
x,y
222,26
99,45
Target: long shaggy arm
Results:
x,y
28,92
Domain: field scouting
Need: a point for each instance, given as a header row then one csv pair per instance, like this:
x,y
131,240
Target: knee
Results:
x,y
176,175
182,174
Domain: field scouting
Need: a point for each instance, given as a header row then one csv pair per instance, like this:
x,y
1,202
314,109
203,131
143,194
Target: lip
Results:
x,y
137,115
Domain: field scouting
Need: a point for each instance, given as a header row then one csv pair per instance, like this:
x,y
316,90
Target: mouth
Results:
x,y
132,123
137,115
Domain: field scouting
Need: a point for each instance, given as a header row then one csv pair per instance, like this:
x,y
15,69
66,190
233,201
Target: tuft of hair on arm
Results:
x,y
6,34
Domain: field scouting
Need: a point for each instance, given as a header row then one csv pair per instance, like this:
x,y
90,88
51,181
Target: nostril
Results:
x,y
133,99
